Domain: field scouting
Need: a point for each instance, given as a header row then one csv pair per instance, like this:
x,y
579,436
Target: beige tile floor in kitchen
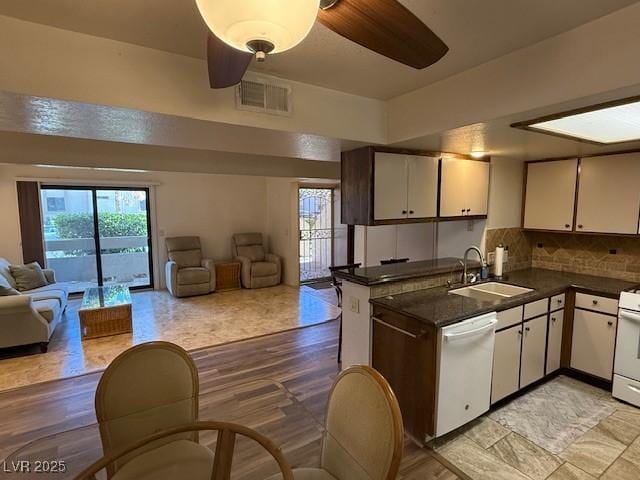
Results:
x,y
609,450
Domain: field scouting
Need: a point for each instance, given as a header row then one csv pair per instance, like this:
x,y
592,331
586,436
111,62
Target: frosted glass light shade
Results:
x,y
616,124
284,23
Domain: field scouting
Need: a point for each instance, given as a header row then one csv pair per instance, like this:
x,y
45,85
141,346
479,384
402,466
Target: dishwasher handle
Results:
x,y
629,315
470,333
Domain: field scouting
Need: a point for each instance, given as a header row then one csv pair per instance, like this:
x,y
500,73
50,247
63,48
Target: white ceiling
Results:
x,y
475,30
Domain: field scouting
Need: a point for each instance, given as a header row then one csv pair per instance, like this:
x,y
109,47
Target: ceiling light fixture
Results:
x,y
258,26
478,154
602,124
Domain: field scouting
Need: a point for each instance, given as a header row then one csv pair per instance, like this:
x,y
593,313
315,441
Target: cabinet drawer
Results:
x,y
535,309
557,302
626,389
599,304
509,317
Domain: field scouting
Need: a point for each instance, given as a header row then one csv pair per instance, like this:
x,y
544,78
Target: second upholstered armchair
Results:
x,y
258,268
186,272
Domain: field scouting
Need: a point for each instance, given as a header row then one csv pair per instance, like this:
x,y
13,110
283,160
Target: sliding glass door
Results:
x,y
98,236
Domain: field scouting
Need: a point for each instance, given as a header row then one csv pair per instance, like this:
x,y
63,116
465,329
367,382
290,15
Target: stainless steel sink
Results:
x,y
490,291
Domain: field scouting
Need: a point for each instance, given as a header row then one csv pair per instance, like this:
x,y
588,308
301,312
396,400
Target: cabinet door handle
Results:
x,y
579,226
559,301
595,302
566,225
519,332
527,329
553,319
404,212
610,323
462,211
411,212
468,210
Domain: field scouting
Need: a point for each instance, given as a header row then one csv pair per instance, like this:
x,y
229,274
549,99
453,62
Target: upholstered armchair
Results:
x,y
187,273
258,268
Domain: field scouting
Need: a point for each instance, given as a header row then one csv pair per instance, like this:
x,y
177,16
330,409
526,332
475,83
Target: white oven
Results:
x,y
626,370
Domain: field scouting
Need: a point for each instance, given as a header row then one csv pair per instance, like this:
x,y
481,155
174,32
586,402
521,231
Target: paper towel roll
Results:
x,y
497,269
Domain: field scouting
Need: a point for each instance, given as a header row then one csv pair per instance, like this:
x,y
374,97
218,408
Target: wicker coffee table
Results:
x,y
105,311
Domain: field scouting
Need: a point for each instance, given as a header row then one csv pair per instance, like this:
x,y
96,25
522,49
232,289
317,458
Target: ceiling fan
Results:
x,y
241,30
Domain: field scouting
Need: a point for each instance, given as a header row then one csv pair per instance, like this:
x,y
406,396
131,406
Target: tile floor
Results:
x,y
491,450
193,323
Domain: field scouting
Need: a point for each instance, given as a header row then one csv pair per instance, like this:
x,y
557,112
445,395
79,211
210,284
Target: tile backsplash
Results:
x,y
517,243
601,255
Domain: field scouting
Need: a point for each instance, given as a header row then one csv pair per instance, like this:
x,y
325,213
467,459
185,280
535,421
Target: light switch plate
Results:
x,y
355,304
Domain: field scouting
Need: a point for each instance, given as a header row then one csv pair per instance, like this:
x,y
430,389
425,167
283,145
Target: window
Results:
x,y
55,204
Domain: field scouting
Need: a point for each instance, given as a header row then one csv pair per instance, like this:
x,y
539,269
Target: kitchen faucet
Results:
x,y
465,275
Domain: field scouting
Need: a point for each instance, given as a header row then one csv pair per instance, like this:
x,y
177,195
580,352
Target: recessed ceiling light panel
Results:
x,y
603,124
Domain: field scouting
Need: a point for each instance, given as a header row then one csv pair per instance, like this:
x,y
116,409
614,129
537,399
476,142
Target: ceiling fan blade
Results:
x,y
226,64
386,27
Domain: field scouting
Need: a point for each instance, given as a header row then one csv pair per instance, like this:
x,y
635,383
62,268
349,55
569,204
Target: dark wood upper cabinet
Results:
x,y
384,186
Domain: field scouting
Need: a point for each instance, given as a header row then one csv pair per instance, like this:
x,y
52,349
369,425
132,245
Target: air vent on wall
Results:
x,y
266,95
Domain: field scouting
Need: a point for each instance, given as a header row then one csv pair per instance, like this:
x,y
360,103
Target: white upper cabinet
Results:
x,y
550,195
422,181
464,187
390,186
405,186
609,194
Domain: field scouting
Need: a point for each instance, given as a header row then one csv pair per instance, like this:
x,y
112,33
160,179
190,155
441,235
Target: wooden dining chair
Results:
x,y
337,285
147,388
172,461
363,430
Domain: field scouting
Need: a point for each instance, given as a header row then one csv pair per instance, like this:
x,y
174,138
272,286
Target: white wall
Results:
x,y
213,207
413,241
505,205
281,225
505,196
454,237
45,61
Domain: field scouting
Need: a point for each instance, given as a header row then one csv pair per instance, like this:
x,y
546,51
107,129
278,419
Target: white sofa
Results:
x,y
32,316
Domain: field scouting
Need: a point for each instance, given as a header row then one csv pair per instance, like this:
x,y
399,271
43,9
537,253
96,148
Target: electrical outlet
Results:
x,y
355,304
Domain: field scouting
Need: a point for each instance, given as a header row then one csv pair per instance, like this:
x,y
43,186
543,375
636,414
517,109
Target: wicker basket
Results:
x,y
228,276
101,322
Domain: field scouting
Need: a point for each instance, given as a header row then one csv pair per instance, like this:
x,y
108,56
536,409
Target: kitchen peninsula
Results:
x,y
360,285
546,324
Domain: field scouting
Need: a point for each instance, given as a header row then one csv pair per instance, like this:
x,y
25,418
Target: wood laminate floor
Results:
x,y
193,323
302,361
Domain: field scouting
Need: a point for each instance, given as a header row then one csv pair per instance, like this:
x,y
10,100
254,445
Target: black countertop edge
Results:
x,y
437,308
377,275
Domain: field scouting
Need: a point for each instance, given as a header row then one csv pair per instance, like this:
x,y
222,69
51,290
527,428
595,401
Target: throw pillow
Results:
x,y
28,277
6,288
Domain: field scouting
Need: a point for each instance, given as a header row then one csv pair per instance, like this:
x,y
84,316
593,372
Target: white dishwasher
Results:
x,y
464,372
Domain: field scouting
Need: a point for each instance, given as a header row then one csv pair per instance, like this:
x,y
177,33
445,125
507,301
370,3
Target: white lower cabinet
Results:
x,y
554,342
534,341
593,343
506,363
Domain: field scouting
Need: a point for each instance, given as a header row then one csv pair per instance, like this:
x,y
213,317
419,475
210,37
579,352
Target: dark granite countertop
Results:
x,y
403,271
435,306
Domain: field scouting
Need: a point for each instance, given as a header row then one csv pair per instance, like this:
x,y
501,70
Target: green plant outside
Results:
x,y
80,225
